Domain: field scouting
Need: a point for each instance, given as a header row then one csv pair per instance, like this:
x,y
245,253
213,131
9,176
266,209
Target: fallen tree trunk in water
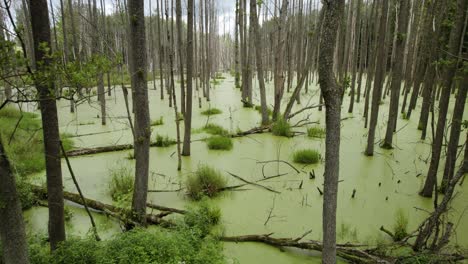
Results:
x,y
116,212
346,251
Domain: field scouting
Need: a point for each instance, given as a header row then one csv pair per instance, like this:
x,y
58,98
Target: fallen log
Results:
x,y
252,183
346,251
116,212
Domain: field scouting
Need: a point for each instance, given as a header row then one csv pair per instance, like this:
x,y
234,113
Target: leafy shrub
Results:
x,y
206,181
214,129
259,109
316,132
203,216
281,128
219,143
164,141
306,156
401,225
157,122
211,111
121,184
25,193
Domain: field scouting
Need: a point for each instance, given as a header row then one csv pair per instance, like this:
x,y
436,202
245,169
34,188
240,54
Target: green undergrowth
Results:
x,y
306,156
219,143
205,181
157,122
258,108
281,128
121,185
192,241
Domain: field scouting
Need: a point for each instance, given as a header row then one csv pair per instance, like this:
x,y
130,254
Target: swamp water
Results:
x,y
294,211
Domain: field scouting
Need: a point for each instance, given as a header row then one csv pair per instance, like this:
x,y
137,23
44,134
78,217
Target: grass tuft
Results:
x,y
164,141
215,129
157,122
219,143
306,156
316,132
281,128
121,184
206,181
400,228
211,111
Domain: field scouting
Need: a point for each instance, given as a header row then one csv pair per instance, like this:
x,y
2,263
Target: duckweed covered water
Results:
x,y
385,183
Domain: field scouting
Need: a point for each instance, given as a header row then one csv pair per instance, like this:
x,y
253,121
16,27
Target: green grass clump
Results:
x,y
219,143
215,129
164,141
121,184
281,128
306,156
157,122
400,227
203,216
316,132
211,111
259,109
206,181
138,246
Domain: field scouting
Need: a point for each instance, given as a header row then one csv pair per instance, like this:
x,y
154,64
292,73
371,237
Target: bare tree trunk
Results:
x,y
453,47
188,112
142,124
236,48
14,246
50,128
397,72
354,57
181,61
332,94
379,79
161,51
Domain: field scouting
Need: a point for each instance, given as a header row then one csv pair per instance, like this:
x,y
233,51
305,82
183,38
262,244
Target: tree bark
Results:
x,y
332,92
142,124
181,61
188,109
12,232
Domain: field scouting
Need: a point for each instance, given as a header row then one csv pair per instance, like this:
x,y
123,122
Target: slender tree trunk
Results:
x,y
14,246
332,94
397,72
181,61
236,48
142,124
379,79
50,128
453,47
188,110
354,59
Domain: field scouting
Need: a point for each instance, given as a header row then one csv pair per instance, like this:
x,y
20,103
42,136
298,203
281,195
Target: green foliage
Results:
x,y
68,213
215,129
400,226
219,143
306,156
121,184
203,216
316,132
211,111
157,122
25,193
164,141
206,181
138,246
281,128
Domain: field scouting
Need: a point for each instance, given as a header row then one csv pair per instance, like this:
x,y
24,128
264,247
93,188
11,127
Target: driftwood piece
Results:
x,y
252,183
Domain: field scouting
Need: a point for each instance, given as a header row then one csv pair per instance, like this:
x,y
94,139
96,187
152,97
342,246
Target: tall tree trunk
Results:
x,y
379,79
50,128
453,47
188,110
279,61
236,48
181,61
12,233
354,55
332,94
142,124
258,52
397,72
